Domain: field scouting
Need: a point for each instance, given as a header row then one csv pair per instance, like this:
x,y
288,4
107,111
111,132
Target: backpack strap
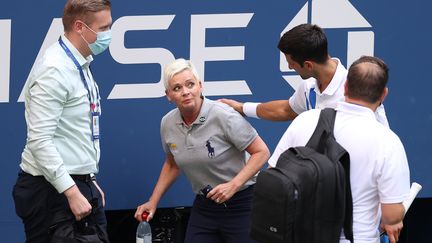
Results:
x,y
322,135
348,223
323,130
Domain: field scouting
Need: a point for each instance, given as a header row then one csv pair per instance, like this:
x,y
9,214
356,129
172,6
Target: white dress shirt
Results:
x,y
57,113
379,170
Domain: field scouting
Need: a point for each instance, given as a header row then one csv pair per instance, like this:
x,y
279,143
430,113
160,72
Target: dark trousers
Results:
x,y
210,222
41,207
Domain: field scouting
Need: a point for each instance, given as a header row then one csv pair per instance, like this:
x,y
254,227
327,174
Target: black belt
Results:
x,y
84,178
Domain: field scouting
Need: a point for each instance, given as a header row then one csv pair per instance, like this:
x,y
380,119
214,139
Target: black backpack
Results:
x,y
306,198
66,229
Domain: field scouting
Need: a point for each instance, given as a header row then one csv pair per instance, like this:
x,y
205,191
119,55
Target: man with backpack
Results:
x,y
379,172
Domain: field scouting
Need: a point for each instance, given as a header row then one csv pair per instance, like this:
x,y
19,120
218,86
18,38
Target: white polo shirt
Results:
x,y
379,167
301,100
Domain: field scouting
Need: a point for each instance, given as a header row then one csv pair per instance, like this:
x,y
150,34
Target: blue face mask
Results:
x,y
102,41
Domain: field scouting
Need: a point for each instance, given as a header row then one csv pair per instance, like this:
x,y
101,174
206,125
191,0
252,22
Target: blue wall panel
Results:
x,y
399,32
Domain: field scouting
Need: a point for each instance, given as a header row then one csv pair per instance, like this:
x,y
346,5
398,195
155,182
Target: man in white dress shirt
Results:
x,y
62,109
379,171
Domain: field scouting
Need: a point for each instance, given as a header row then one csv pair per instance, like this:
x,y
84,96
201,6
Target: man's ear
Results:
x,y
308,64
78,26
384,95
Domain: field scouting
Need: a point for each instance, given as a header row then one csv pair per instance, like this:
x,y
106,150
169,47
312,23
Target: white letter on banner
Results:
x,y
200,53
359,43
139,55
5,47
54,32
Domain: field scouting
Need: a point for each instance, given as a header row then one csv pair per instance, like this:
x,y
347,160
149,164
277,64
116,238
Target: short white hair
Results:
x,y
178,66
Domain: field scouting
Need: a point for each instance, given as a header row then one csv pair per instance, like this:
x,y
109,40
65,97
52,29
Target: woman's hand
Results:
x,y
148,207
223,192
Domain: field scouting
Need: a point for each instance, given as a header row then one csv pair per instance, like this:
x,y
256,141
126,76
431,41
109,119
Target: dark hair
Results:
x,y
367,79
305,42
79,9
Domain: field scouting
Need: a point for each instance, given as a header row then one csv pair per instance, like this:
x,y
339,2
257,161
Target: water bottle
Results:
x,y
143,234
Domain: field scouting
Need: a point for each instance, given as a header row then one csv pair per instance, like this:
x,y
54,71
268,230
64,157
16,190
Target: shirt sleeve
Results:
x,y
237,130
46,97
163,135
298,100
394,178
281,147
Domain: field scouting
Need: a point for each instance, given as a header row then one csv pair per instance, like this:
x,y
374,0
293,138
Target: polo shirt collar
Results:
x,y
338,78
81,60
202,117
357,110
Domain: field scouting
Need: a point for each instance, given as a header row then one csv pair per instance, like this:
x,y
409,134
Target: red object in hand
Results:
x,y
144,215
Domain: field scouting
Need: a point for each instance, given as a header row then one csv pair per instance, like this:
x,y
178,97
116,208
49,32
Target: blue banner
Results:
x,y
233,44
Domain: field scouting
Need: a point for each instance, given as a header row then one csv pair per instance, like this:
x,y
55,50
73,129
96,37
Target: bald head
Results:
x,y
367,79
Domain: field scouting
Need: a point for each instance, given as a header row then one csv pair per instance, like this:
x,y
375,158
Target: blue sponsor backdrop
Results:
x,y
397,31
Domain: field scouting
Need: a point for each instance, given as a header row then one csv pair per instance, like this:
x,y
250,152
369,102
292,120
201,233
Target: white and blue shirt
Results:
x,y
57,113
308,95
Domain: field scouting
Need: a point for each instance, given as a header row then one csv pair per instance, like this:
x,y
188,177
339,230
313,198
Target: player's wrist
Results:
x,y
250,109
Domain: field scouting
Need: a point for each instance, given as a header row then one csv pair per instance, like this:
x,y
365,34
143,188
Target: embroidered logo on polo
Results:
x,y
173,147
210,149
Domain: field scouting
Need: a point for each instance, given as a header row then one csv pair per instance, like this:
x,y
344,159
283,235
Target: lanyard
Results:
x,y
90,94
